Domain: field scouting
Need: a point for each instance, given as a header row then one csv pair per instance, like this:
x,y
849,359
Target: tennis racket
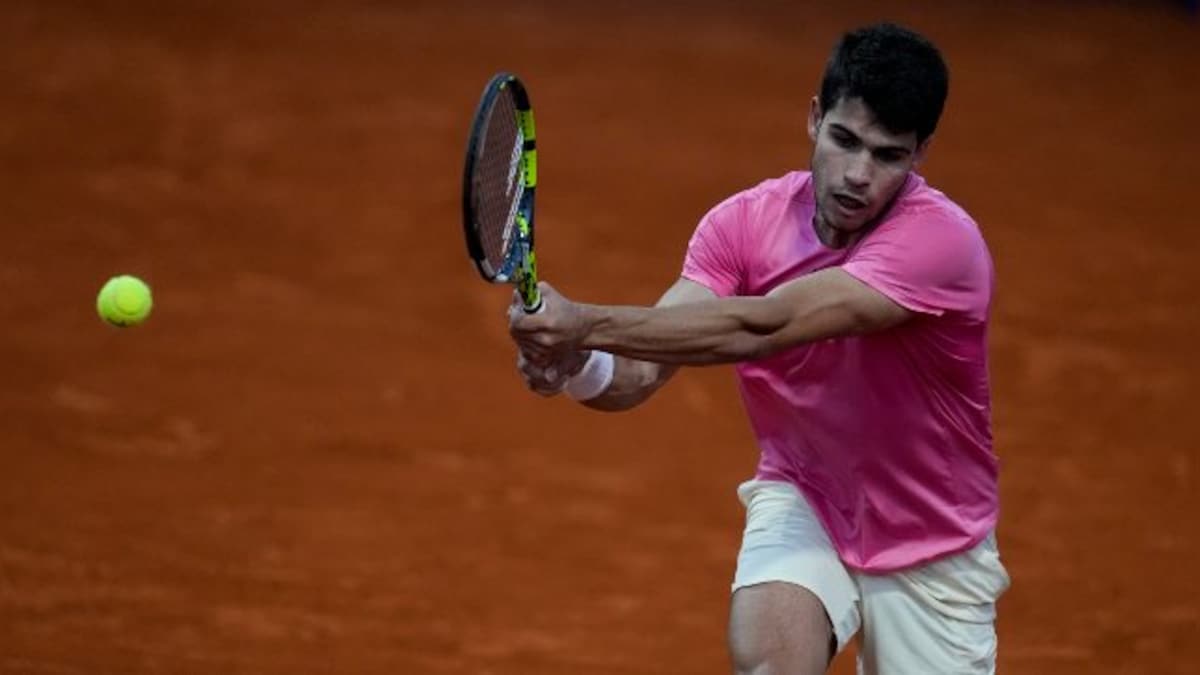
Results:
x,y
499,182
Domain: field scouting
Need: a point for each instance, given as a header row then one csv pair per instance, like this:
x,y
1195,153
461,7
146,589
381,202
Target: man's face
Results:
x,y
857,165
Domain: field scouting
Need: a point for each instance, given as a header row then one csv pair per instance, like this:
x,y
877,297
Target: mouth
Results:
x,y
849,205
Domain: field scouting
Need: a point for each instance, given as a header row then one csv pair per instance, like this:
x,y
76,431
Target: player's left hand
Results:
x,y
545,336
550,380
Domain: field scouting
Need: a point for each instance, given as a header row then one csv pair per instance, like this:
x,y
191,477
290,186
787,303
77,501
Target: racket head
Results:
x,y
499,185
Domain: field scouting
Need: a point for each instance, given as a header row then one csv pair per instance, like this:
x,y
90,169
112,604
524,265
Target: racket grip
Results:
x,y
531,295
527,278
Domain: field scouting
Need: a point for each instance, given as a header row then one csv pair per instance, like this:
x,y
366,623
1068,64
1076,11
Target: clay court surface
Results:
x,y
317,456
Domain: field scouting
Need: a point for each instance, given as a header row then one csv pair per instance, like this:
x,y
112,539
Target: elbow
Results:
x,y
857,322
746,347
861,321
762,333
832,322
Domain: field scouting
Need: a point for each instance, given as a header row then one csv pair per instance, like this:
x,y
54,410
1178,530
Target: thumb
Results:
x,y
516,310
546,289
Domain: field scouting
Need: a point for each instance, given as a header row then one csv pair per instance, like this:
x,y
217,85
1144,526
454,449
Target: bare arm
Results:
x,y
826,304
634,381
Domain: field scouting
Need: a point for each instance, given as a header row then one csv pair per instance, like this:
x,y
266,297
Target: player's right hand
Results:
x,y
552,379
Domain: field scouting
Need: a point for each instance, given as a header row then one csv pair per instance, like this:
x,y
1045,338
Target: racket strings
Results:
x,y
499,182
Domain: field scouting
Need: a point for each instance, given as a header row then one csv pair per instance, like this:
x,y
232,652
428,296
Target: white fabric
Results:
x,y
933,618
593,378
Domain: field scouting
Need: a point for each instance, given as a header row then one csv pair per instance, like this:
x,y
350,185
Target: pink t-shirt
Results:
x,y
887,435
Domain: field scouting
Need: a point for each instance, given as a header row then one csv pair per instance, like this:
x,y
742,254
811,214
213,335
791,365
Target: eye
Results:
x,y
889,157
843,139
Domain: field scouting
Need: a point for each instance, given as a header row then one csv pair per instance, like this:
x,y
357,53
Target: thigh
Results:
x,y
791,591
779,628
937,618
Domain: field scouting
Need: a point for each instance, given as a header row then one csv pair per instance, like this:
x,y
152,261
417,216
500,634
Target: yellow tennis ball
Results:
x,y
124,301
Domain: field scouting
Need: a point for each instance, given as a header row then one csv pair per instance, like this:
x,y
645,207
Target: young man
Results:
x,y
854,299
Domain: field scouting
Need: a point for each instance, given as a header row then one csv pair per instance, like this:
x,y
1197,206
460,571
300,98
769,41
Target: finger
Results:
x,y
531,357
514,315
548,386
531,370
522,323
543,359
525,366
539,359
538,380
533,344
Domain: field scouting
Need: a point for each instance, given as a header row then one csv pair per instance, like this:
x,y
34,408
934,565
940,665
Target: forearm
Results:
x,y
633,383
701,333
822,305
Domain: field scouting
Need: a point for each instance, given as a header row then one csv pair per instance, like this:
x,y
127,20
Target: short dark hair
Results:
x,y
896,72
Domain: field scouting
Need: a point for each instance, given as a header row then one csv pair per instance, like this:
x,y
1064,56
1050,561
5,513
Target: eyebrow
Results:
x,y
874,149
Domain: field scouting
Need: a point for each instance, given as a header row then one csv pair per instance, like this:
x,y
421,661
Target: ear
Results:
x,y
921,151
814,119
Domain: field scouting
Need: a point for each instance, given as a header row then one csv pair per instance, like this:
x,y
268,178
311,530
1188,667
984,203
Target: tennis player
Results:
x,y
854,299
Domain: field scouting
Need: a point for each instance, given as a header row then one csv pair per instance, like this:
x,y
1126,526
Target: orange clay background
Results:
x,y
317,457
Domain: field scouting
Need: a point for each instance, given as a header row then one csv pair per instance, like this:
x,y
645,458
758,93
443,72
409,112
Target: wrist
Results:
x,y
593,377
578,361
590,318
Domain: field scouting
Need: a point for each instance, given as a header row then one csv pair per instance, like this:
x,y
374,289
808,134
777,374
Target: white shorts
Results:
x,y
934,618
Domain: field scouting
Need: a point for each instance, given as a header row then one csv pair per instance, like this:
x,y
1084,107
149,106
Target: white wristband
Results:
x,y
593,378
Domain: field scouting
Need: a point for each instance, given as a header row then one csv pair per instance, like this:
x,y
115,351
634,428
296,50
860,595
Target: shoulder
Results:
x,y
927,255
743,207
926,215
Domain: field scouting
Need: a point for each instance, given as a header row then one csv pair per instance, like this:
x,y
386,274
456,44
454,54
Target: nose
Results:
x,y
858,171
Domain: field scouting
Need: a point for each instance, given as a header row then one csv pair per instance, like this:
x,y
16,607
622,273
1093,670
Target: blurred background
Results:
x,y
316,456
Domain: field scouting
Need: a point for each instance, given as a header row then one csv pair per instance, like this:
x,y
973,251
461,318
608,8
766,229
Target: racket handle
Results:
x,y
527,284
531,295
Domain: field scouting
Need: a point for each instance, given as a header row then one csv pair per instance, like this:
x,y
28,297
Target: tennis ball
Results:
x,y
124,301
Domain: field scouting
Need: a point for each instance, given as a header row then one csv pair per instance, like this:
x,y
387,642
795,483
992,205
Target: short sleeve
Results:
x,y
714,255
931,263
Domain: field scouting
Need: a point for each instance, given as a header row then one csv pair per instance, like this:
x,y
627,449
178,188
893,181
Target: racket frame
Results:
x,y
520,262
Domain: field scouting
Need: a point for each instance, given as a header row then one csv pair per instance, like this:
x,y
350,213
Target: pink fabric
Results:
x,y
888,435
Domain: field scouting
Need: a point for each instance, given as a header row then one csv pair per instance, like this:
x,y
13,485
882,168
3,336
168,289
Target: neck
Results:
x,y
833,237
